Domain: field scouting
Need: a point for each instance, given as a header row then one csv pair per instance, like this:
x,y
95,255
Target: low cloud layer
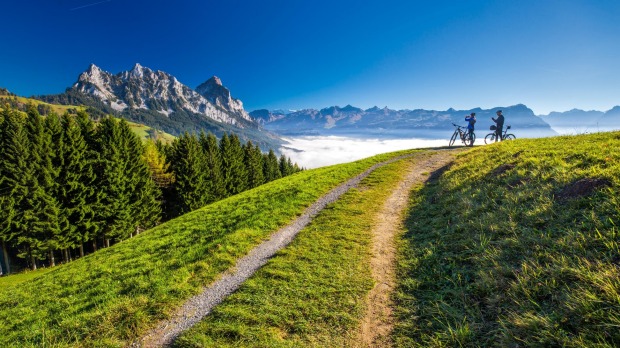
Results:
x,y
320,151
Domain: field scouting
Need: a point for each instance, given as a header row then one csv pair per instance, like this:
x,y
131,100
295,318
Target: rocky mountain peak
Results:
x,y
142,88
215,92
215,80
137,71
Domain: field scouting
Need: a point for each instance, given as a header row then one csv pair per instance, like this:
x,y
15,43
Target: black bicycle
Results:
x,y
492,137
466,136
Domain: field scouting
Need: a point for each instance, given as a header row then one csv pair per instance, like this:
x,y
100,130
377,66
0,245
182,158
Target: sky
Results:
x,y
551,55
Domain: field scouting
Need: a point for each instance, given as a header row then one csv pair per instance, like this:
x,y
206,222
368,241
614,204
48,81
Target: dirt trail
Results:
x,y
377,324
190,313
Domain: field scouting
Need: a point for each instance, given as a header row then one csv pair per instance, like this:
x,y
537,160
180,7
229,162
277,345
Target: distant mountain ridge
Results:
x,y
385,122
577,121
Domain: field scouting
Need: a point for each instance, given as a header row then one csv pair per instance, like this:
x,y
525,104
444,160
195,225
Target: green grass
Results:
x,y
495,258
111,297
144,132
311,294
58,109
21,277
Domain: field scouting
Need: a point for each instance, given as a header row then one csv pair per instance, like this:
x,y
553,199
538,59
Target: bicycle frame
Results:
x,y
491,137
463,133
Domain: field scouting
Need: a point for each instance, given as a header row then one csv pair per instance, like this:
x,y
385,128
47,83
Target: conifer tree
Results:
x,y
190,170
270,167
9,125
96,220
76,186
285,170
233,169
40,229
145,199
114,210
129,196
254,164
213,157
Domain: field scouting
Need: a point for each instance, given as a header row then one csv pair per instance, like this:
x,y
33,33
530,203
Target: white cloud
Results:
x,y
320,151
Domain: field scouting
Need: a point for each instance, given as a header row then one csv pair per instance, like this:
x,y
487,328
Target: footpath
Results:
x,y
378,321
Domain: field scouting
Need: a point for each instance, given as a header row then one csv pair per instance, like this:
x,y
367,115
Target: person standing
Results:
x,y
499,122
471,120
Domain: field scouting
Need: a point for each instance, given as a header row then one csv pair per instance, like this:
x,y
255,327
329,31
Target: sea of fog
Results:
x,y
319,151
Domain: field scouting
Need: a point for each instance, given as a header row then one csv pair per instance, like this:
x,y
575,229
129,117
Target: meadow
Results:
x,y
312,293
111,297
516,245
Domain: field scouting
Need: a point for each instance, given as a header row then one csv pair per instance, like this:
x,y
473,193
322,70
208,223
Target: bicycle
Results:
x,y
467,137
490,138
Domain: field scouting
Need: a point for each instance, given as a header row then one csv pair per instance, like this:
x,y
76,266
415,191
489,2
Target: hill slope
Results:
x,y
111,297
21,103
516,245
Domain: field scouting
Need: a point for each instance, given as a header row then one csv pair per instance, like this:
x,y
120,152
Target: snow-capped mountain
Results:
x,y
144,89
385,122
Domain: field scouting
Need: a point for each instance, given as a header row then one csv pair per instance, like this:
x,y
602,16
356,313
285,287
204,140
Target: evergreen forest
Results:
x,y
69,185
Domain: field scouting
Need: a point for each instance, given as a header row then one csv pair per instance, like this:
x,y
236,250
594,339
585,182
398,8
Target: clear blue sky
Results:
x,y
547,54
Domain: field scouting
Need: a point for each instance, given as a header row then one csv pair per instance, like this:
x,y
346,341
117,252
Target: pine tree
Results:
x,y
114,210
40,208
254,164
96,220
233,169
283,165
188,163
10,125
76,186
145,199
213,157
129,195
271,169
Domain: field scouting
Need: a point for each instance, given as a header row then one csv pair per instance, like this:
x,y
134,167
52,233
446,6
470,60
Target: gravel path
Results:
x,y
201,305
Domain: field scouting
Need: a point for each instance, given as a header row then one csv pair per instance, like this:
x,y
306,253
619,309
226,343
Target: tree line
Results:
x,y
69,186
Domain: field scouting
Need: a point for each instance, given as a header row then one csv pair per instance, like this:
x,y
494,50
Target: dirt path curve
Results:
x,y
197,307
377,324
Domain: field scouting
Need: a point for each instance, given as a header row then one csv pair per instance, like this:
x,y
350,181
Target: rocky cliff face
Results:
x,y
143,88
218,95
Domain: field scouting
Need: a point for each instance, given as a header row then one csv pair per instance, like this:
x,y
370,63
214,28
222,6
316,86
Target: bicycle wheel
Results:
x,y
453,138
489,138
470,139
510,137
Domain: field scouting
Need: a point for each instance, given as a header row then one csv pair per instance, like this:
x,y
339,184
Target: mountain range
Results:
x,y
388,123
578,121
157,99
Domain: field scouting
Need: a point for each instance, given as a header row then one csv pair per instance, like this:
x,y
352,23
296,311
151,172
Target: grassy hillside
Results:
x,y
517,245
312,293
58,109
141,130
111,297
